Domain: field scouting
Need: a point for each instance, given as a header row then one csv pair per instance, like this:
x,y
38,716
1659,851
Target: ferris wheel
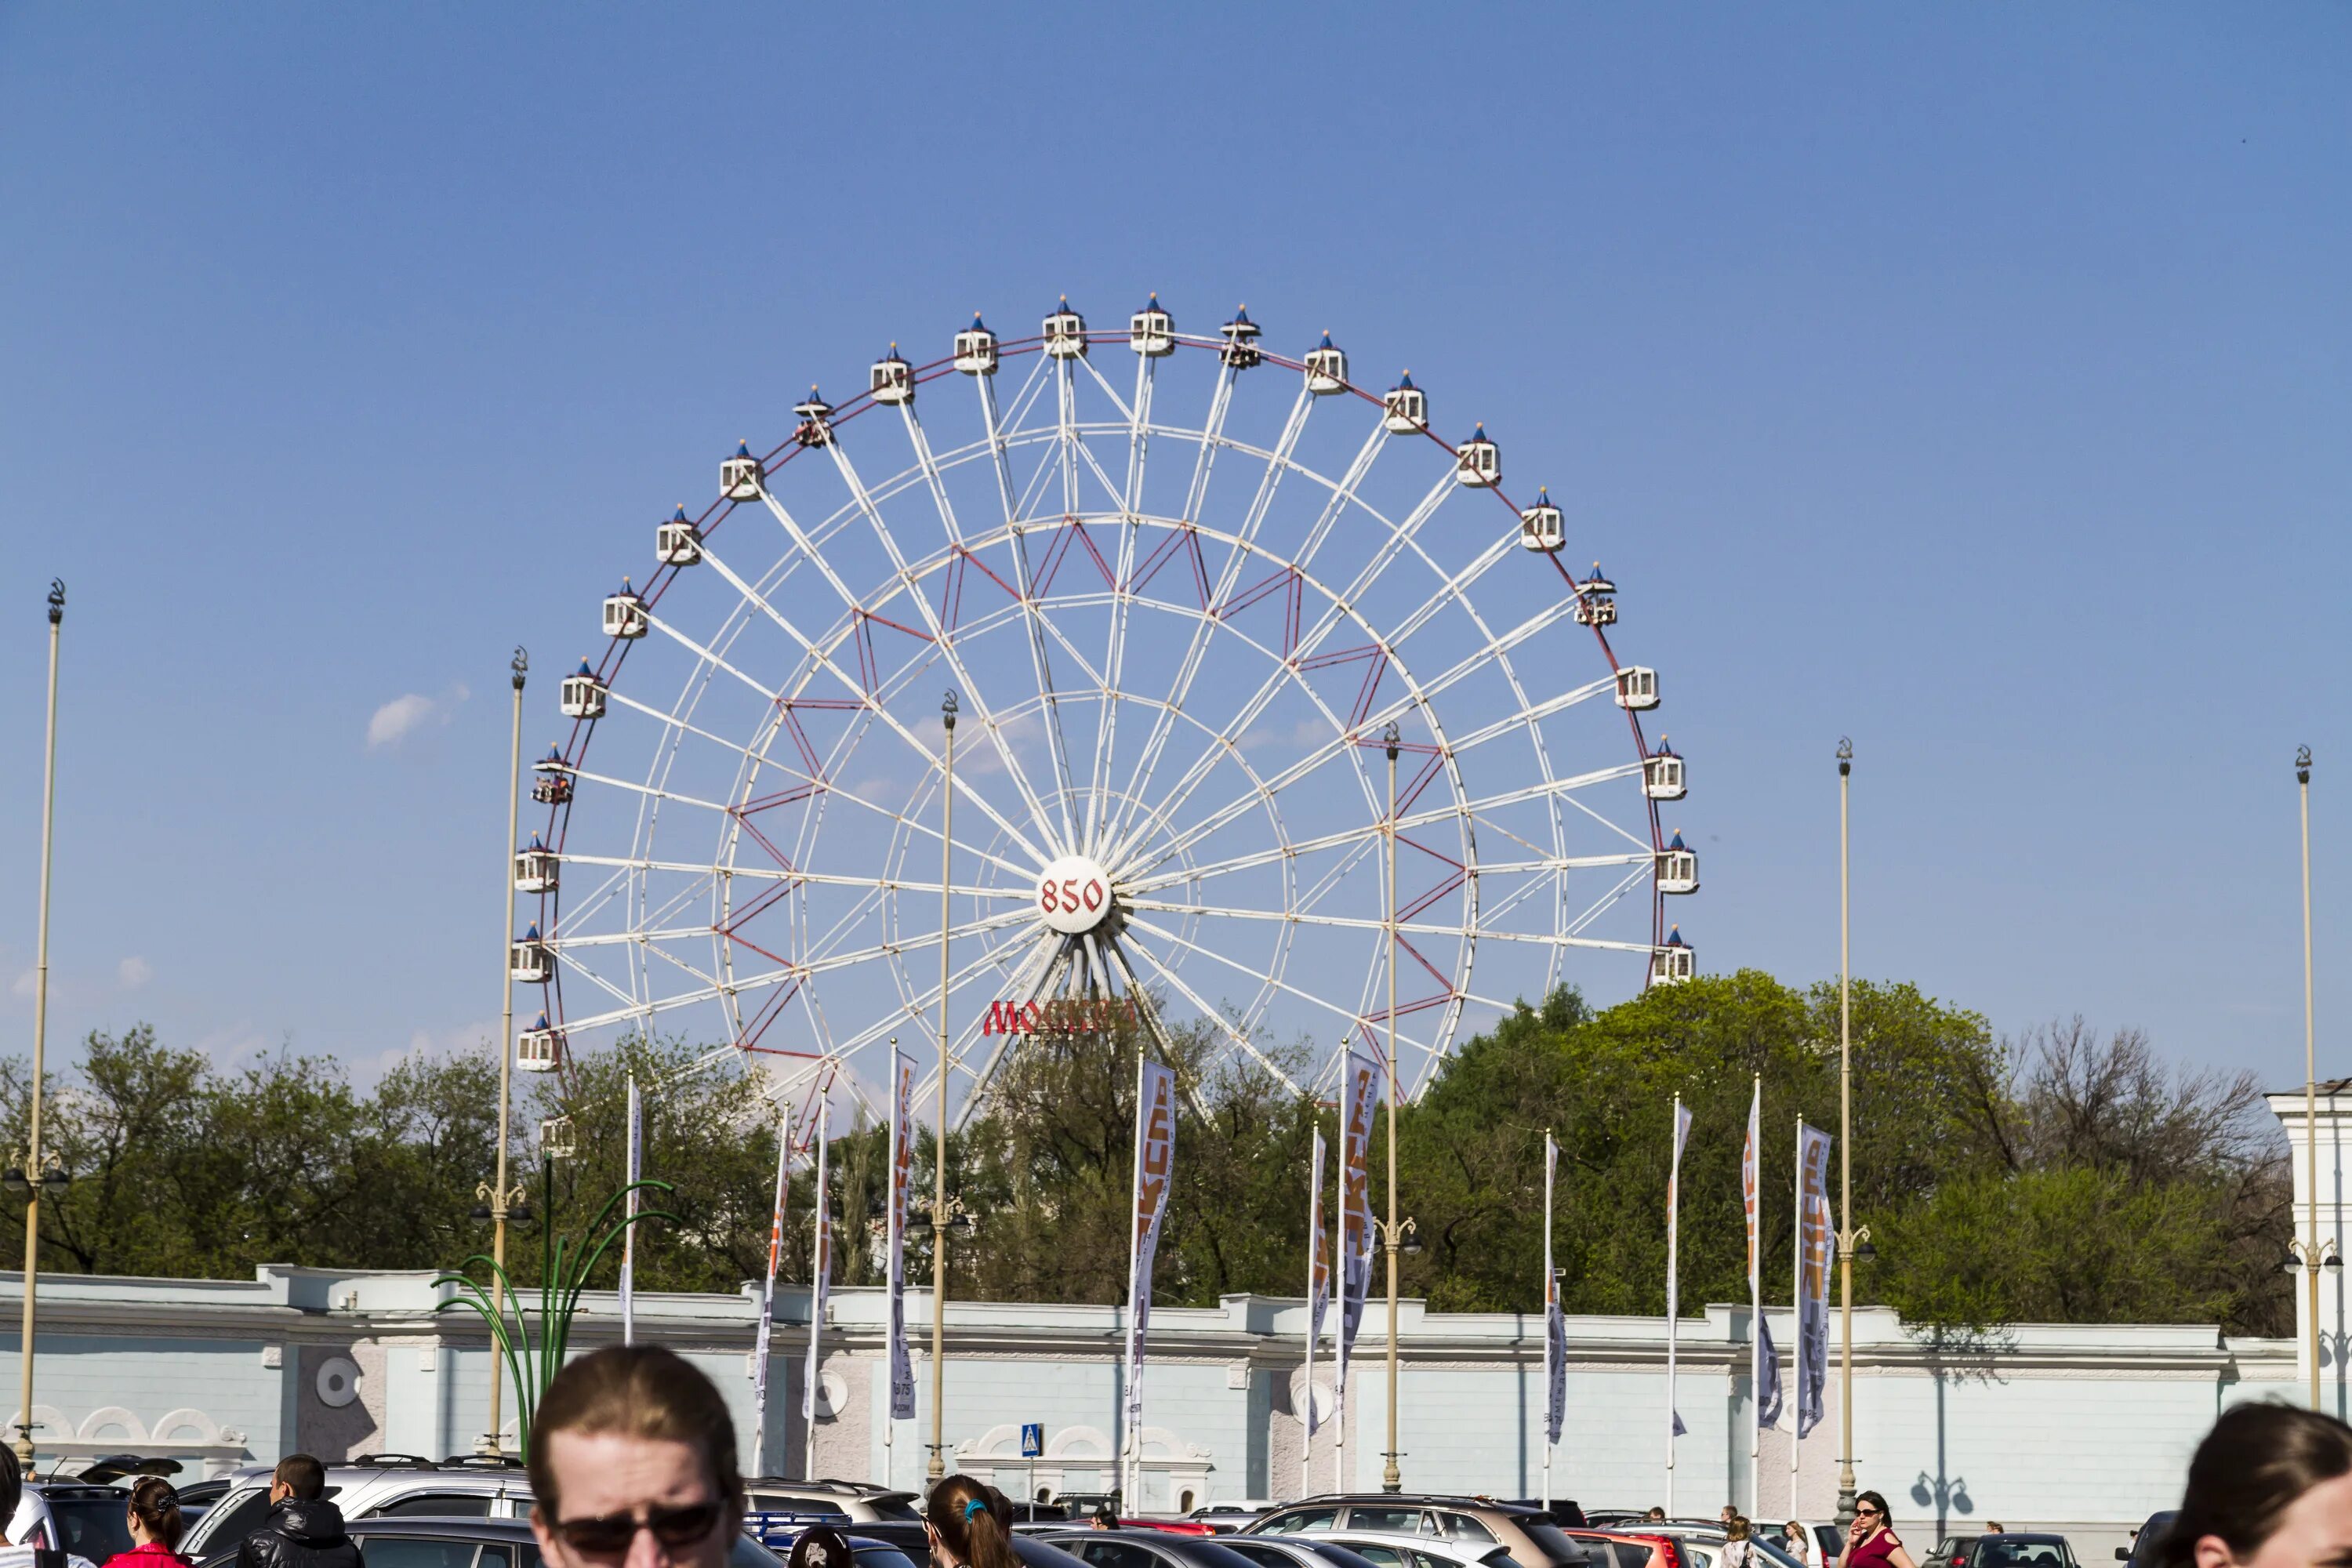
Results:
x,y
1130,660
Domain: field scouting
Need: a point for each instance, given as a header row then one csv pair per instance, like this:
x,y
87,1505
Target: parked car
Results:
x,y
414,1541
2147,1540
1034,1550
2018,1549
1530,1537
1422,1552
1124,1548
391,1484
1230,1516
1294,1551
861,1502
1628,1548
83,1519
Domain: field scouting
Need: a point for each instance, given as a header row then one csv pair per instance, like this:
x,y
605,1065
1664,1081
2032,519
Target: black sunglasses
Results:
x,y
609,1536
1864,1508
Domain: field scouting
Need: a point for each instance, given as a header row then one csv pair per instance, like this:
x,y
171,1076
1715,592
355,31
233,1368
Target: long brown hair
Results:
x,y
2248,1470
974,1521
155,1504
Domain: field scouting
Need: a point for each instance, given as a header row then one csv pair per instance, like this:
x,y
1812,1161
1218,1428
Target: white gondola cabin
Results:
x,y
1326,369
815,416
531,960
1153,331
582,695
893,380
1677,868
625,613
1662,773
1065,333
1637,687
1674,963
550,783
1595,610
540,1049
741,476
1404,409
1480,461
1539,525
536,869
677,541
557,1139
1241,350
975,348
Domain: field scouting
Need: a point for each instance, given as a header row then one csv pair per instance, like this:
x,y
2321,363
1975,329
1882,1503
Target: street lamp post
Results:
x,y
937,1467
1852,1242
502,1200
1394,1234
36,1172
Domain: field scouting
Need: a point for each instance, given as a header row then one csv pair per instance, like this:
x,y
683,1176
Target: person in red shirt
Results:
x,y
156,1525
1870,1540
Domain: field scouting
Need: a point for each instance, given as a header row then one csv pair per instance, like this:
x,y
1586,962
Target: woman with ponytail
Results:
x,y
156,1525
970,1525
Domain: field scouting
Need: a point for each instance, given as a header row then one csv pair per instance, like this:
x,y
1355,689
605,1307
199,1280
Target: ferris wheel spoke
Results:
x,y
1119,947
1341,608
1278,463
790,874
946,646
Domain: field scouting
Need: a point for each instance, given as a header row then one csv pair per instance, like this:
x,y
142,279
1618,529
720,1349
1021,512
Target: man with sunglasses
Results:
x,y
632,1465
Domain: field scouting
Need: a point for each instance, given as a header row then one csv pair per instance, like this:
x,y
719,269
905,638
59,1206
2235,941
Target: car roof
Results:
x,y
1412,1500
429,1524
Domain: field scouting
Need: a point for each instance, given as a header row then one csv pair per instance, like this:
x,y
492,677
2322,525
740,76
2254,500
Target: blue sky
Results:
x,y
1970,380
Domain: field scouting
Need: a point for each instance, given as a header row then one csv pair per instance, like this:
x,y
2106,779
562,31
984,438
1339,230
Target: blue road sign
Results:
x,y
1032,1440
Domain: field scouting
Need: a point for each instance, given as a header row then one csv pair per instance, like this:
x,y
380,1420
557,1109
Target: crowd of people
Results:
x,y
632,1465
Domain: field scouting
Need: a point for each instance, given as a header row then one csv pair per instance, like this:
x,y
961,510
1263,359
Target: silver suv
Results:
x,y
861,1503
387,1486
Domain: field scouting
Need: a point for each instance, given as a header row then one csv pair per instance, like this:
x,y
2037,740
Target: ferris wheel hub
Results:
x,y
1073,895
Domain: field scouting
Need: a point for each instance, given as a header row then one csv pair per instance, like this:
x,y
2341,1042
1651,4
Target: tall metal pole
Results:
x,y
40,1038
2312,1251
937,1466
1391,1479
1845,1146
492,1442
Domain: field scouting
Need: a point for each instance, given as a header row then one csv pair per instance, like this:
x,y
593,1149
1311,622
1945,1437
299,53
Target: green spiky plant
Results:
x,y
564,1267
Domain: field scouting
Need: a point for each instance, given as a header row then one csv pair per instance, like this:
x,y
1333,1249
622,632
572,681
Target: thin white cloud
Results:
x,y
132,972
407,714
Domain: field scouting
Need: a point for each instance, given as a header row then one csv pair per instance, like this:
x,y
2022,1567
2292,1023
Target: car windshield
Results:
x,y
93,1527
2021,1552
1774,1552
880,1557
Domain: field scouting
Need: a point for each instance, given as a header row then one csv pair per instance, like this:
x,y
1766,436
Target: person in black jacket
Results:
x,y
305,1530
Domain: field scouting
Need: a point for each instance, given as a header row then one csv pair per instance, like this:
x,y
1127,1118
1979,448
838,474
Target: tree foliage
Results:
x,y
2064,1176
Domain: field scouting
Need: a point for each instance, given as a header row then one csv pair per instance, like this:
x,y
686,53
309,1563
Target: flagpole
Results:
x,y
820,1265
1127,1499
1756,1308
1550,1285
1340,1328
938,1467
1797,1327
1674,1253
1314,1244
768,1303
636,1172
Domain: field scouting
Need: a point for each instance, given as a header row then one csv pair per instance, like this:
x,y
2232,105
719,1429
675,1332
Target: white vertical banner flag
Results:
x,y
1674,1288
1318,1275
768,1299
1555,1325
1359,1094
1815,1241
902,1171
820,1282
1155,1156
634,1172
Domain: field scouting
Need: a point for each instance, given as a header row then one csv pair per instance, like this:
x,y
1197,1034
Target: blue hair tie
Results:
x,y
976,1506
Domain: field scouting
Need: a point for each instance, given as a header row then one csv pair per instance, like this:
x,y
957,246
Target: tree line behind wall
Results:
x,y
2065,1176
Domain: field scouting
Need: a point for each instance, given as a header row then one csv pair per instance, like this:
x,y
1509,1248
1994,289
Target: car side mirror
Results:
x,y
2123,1553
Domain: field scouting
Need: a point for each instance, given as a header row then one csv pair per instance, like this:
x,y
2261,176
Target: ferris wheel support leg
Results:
x,y
1055,958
